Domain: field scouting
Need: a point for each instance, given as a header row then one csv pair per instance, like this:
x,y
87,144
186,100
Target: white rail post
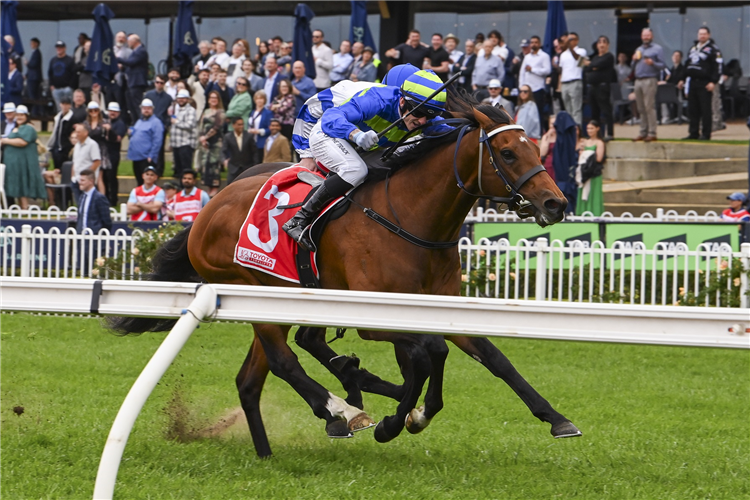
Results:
x,y
541,268
203,305
123,211
744,285
659,214
26,250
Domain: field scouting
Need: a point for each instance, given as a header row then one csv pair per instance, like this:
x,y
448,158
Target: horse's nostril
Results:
x,y
553,206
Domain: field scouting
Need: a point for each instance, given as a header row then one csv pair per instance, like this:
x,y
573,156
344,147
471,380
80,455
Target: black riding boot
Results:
x,y
297,227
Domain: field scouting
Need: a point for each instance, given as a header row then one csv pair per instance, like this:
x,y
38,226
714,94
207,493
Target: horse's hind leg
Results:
x,y
340,417
419,418
250,381
484,351
345,368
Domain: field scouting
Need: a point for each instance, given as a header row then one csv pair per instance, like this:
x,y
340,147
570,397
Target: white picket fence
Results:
x,y
540,270
627,273
64,254
661,215
54,213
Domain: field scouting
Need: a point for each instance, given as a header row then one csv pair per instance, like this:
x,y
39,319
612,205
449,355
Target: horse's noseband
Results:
x,y
515,200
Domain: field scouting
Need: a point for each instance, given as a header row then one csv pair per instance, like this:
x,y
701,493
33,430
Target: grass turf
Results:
x,y
658,423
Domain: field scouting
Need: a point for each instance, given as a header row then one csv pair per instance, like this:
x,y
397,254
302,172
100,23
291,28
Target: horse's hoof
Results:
x,y
565,430
360,421
338,430
381,435
415,421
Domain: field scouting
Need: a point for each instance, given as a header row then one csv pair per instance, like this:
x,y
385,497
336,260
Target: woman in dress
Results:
x,y
284,108
23,179
259,123
98,127
547,147
527,114
210,134
591,148
365,71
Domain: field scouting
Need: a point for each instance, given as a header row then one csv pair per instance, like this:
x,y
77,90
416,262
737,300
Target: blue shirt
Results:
x,y
653,51
162,101
146,139
306,87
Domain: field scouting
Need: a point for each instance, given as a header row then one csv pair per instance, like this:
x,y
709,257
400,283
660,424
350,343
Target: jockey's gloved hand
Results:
x,y
366,140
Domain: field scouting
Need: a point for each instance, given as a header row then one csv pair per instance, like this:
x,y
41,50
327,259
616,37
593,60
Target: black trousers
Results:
x,y
138,167
601,107
134,98
183,160
60,157
540,98
111,184
160,164
699,108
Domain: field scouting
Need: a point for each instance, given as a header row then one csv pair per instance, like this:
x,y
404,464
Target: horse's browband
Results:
x,y
504,128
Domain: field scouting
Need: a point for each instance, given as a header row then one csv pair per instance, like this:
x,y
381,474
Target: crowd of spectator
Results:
x,y
231,108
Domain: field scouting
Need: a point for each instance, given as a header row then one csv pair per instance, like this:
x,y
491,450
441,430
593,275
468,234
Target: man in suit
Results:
x,y
277,146
34,75
93,207
136,74
270,84
15,82
238,149
465,66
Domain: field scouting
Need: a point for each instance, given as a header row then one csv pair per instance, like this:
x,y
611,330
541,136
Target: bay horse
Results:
x,y
429,197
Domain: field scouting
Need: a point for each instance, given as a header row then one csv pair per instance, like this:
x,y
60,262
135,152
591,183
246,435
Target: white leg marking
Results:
x,y
339,408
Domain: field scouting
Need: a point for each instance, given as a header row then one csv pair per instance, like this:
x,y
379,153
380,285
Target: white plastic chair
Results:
x,y
3,199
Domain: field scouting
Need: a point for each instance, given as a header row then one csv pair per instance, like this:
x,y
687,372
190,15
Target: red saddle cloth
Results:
x,y
262,244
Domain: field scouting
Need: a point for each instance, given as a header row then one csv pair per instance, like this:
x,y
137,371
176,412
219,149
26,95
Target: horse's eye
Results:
x,y
507,155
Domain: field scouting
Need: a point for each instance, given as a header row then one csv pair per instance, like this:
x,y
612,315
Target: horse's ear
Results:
x,y
484,120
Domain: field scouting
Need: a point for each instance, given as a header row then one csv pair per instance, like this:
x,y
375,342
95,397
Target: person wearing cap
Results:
x,y
61,74
735,212
9,118
146,138
535,68
496,97
136,73
365,70
146,201
183,135
450,43
167,210
359,120
117,130
438,60
23,179
59,141
34,76
14,88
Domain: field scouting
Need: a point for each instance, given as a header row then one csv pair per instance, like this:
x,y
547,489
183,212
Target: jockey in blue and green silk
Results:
x,y
359,120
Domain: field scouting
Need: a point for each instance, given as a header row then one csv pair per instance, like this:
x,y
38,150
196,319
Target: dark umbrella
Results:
x,y
4,49
565,158
302,48
360,30
10,25
556,25
185,39
101,61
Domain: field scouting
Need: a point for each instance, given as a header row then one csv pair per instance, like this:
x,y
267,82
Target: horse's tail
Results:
x,y
171,263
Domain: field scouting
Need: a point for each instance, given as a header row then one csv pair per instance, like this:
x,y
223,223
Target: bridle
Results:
x,y
515,201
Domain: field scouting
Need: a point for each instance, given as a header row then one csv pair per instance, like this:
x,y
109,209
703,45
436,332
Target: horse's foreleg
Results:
x,y
345,368
419,418
250,381
340,417
484,351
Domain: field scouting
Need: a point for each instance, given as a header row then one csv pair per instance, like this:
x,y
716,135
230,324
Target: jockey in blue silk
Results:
x,y
337,95
359,120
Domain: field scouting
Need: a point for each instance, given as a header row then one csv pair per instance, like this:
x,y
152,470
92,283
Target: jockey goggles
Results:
x,y
424,111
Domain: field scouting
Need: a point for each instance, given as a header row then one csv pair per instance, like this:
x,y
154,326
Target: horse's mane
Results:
x,y
459,105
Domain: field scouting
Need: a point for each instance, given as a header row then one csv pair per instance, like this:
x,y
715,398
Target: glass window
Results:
x,y
435,22
157,43
331,26
471,24
725,25
667,28
265,27
525,24
591,24
745,45
46,32
227,28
